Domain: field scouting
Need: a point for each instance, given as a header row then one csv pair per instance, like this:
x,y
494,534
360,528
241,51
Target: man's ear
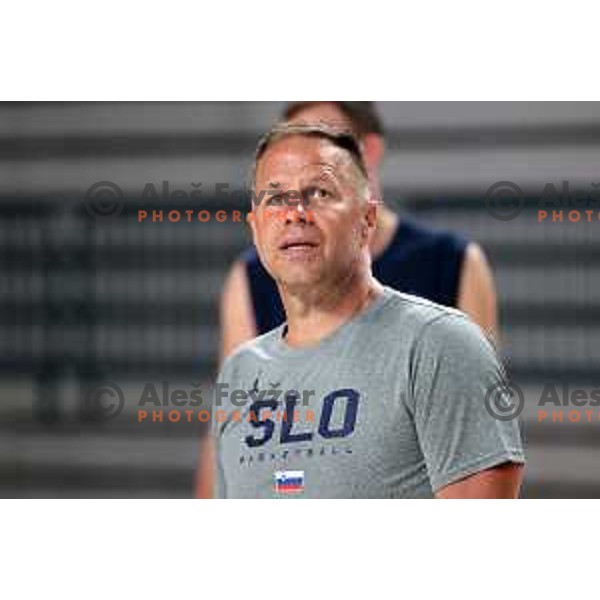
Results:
x,y
371,213
369,220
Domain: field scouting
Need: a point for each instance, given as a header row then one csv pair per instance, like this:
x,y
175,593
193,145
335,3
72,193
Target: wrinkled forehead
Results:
x,y
302,158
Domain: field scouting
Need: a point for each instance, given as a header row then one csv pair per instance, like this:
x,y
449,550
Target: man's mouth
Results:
x,y
297,244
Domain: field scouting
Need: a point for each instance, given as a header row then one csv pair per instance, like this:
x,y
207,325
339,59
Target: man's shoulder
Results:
x,y
412,319
415,311
439,325
428,334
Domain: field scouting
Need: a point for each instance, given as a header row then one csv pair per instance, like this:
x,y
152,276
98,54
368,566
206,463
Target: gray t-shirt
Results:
x,y
390,405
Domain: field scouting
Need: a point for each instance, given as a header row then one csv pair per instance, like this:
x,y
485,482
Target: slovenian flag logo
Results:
x,y
289,482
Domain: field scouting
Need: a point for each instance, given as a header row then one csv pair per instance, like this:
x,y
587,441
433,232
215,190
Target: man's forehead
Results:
x,y
311,157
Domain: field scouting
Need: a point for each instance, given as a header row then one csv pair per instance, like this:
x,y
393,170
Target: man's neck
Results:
x,y
310,318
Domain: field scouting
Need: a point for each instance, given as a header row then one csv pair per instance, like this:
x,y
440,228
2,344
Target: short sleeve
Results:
x,y
452,369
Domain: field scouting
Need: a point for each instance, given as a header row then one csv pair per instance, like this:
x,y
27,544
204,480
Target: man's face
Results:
x,y
330,242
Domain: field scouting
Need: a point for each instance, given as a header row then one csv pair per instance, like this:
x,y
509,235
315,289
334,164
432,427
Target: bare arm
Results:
x,y
477,291
205,472
236,313
500,482
237,326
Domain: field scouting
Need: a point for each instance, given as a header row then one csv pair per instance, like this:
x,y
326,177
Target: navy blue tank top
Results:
x,y
418,260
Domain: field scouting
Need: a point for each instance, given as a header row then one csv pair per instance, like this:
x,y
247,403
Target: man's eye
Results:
x,y
318,193
274,200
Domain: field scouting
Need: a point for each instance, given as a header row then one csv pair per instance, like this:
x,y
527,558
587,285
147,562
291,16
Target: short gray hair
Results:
x,y
340,138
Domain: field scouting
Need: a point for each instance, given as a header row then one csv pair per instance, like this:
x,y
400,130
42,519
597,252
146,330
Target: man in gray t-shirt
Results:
x,y
365,392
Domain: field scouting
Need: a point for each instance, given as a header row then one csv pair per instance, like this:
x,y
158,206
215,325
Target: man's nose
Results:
x,y
296,214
